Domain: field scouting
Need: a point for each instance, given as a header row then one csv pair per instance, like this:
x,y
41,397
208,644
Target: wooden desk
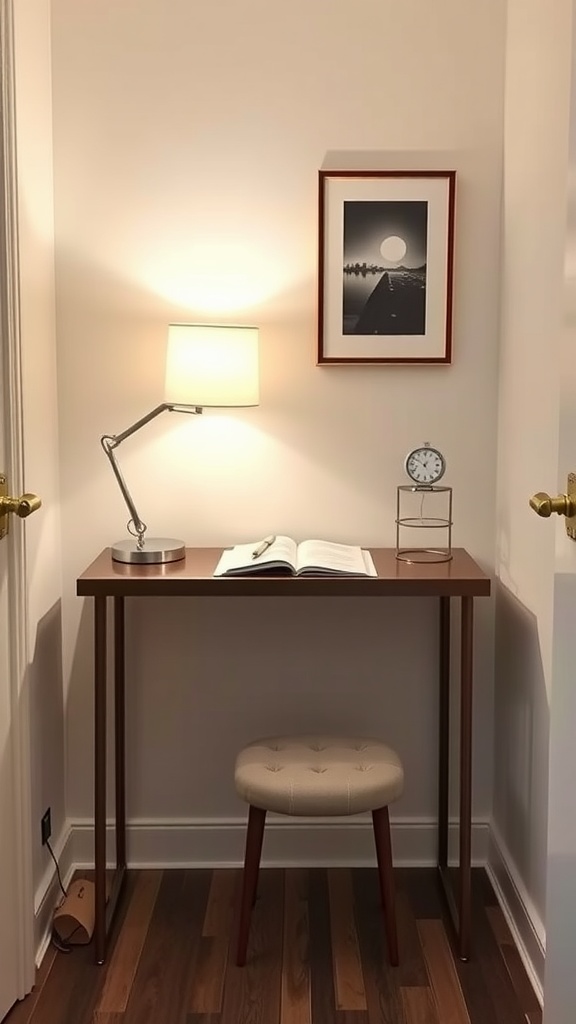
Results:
x,y
192,577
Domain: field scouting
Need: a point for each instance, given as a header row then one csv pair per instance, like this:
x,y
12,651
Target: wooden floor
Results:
x,y
317,956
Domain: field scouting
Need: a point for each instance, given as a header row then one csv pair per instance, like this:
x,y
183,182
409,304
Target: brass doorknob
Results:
x,y
544,505
22,506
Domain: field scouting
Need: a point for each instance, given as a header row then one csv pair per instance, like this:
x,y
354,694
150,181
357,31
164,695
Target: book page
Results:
x,y
239,560
329,558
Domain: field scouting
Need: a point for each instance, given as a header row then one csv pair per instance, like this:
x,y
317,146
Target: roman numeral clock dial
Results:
x,y
425,465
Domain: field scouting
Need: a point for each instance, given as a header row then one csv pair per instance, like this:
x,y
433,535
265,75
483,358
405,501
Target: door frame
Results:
x,y
13,432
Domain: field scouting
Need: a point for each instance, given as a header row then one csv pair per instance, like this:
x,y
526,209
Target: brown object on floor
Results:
x,y
73,919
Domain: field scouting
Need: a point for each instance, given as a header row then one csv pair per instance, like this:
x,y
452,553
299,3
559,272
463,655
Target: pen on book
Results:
x,y
263,546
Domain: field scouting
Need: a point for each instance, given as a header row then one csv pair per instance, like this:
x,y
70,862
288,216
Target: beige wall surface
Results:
x,y
187,143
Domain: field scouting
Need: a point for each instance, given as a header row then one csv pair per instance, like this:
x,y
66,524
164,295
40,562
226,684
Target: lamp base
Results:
x,y
156,550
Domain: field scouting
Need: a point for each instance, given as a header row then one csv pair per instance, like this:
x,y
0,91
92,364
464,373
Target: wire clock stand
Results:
x,y
410,501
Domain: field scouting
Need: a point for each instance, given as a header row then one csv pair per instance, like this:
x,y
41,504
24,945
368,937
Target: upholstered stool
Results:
x,y
318,775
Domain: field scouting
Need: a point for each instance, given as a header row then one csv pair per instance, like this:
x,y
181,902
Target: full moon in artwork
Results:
x,y
385,255
393,248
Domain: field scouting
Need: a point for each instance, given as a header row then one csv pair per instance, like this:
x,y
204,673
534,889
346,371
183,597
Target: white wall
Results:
x,y
536,152
187,141
41,456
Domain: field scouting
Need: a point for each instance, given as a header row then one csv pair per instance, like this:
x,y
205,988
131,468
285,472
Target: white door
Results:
x,y
560,974
16,896
16,916
9,967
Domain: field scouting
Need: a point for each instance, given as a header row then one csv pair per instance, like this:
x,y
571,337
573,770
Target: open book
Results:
x,y
284,557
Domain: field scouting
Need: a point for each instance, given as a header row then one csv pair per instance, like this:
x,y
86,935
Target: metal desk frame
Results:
x,y
459,578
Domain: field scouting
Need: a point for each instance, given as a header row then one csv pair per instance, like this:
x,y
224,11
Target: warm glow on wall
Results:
x,y
222,277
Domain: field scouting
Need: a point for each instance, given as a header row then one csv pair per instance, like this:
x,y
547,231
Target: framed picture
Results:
x,y
386,253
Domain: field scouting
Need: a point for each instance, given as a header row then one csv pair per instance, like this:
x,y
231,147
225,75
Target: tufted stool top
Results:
x,y
318,775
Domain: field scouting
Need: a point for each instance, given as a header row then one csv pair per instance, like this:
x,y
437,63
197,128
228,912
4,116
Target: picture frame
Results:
x,y
385,266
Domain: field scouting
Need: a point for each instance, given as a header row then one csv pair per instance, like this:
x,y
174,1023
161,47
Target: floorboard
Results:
x,y
317,954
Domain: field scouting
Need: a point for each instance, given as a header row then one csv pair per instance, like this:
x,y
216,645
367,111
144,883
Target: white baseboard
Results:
x,y
523,920
288,841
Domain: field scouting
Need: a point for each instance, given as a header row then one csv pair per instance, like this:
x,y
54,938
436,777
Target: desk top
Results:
x,y
192,577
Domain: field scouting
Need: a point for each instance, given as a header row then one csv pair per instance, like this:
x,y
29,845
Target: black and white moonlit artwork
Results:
x,y
385,255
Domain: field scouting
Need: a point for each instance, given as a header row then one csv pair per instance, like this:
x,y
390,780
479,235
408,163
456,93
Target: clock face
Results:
x,y
425,465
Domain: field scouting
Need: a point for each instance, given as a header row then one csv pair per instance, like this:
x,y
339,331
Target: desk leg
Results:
x,y
444,733
119,732
465,887
104,910
120,772
459,907
100,777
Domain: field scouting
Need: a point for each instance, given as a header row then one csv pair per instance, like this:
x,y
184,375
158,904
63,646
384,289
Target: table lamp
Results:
x,y
206,366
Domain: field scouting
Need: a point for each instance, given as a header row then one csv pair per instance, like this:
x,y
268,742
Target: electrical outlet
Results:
x,y
46,826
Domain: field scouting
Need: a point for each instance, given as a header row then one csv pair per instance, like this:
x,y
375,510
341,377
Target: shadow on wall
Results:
x,y
80,719
522,724
46,703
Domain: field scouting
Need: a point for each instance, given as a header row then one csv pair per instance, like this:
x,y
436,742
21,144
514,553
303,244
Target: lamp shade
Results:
x,y
209,365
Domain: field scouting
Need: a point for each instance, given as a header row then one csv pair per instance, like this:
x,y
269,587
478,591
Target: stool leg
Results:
x,y
254,838
381,822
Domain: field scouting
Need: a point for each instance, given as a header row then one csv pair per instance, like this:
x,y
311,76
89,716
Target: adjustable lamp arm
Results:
x,y
111,441
207,366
